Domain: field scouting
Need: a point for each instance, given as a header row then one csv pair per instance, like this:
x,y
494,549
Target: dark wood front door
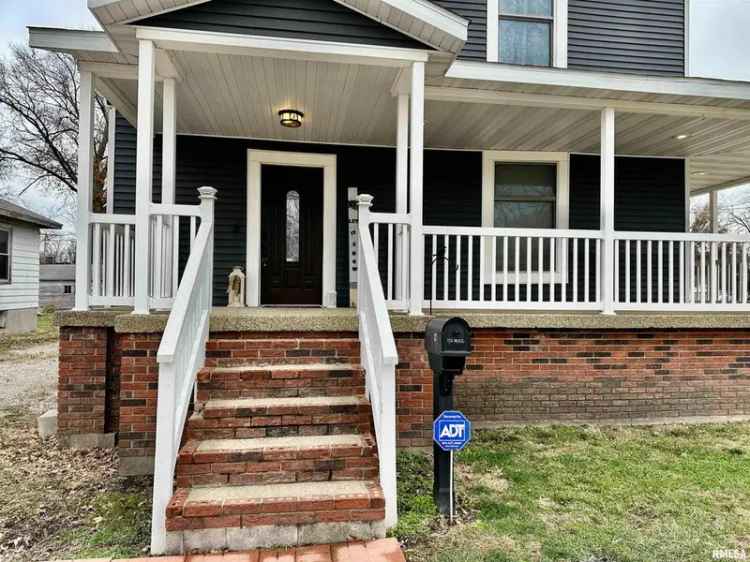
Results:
x,y
291,235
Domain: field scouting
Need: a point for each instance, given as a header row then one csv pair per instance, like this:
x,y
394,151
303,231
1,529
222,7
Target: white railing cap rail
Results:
x,y
511,232
682,236
382,321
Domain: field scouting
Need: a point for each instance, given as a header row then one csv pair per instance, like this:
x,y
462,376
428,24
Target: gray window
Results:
x,y
525,30
525,197
292,226
5,246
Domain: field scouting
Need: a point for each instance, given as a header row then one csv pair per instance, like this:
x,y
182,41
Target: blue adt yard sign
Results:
x,y
451,430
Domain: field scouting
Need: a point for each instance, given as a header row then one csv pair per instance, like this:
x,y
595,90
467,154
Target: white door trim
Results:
x,y
255,159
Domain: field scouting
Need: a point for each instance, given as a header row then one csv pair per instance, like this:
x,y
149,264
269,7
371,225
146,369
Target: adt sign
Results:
x,y
451,430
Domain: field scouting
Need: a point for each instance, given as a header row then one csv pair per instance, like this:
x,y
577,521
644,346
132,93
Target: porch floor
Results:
x,y
345,320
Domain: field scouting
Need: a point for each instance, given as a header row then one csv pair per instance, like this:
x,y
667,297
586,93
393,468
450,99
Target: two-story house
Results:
x,y
528,163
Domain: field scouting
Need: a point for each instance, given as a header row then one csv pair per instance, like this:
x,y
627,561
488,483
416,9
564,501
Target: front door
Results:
x,y
291,235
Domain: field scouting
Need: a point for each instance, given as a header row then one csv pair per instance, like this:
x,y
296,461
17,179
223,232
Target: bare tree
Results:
x,y
39,122
700,220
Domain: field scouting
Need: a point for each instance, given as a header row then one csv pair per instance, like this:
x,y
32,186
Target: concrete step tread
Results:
x,y
274,503
287,367
294,442
298,490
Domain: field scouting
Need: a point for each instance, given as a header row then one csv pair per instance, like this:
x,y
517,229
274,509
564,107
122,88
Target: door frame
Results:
x,y
255,160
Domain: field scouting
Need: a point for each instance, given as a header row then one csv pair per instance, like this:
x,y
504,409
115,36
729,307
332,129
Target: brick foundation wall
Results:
x,y
82,379
518,376
139,376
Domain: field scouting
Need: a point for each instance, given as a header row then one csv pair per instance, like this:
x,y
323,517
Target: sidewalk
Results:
x,y
384,550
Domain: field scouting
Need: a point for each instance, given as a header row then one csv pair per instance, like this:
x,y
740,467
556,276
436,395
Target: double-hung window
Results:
x,y
527,32
5,258
526,190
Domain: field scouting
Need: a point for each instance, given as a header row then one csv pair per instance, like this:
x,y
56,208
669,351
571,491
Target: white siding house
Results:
x,y
19,266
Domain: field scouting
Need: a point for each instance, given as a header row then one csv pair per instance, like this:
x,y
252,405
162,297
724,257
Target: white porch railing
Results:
x,y
112,258
181,355
681,271
512,268
537,269
379,357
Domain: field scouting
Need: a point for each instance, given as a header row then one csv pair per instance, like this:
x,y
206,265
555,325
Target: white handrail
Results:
x,y
181,355
379,359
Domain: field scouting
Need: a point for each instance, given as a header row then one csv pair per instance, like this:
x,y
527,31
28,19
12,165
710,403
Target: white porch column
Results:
x,y
607,208
169,141
85,188
416,174
713,209
402,192
144,172
110,181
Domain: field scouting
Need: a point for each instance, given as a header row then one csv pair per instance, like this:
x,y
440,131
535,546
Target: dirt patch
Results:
x,y
28,378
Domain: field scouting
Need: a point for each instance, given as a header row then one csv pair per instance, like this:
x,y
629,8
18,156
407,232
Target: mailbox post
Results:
x,y
448,343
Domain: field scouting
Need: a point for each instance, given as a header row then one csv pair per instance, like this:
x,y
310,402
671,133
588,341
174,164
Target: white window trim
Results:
x,y
559,32
9,230
257,158
562,199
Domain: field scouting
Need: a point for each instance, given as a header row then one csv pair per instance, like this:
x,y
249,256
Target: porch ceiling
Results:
x,y
240,96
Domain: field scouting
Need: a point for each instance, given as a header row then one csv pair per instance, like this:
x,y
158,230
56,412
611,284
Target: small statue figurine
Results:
x,y
236,289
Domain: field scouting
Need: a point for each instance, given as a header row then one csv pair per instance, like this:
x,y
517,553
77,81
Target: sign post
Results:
x,y
451,431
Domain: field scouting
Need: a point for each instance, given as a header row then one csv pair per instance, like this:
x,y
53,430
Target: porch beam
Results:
x,y
607,208
721,186
468,95
85,187
144,171
274,47
416,175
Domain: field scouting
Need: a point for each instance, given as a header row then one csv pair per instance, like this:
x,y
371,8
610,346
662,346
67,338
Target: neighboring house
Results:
x,y
57,282
19,266
531,165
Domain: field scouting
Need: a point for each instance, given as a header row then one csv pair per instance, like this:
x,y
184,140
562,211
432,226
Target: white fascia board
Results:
x,y
300,49
433,15
66,40
494,72
495,97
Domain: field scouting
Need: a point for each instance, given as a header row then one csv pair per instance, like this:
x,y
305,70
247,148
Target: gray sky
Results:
x,y
15,16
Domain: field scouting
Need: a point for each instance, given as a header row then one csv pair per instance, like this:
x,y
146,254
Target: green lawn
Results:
x,y
583,494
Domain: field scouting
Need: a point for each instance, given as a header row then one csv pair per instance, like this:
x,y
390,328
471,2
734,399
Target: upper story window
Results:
x,y
527,32
4,255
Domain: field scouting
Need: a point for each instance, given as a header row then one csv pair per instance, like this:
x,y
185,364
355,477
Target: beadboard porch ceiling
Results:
x,y
240,96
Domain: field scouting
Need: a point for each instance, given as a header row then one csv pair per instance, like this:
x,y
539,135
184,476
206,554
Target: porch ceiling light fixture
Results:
x,y
699,173
291,118
681,136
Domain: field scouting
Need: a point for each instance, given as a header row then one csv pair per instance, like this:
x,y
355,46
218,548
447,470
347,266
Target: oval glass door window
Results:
x,y
292,226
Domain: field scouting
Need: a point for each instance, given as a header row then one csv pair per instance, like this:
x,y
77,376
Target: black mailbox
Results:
x,y
448,343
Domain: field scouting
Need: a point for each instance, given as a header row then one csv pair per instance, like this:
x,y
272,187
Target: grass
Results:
x,y
583,494
44,333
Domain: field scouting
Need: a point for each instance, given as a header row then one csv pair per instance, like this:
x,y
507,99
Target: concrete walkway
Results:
x,y
384,550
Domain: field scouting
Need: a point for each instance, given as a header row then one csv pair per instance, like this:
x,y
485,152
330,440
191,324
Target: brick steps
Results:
x,y
288,380
279,417
279,450
277,460
227,352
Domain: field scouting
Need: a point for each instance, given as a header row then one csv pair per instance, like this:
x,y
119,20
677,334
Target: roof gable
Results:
x,y
323,20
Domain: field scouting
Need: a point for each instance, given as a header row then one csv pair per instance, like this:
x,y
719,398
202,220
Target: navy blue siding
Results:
x,y
649,192
475,12
298,19
630,36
